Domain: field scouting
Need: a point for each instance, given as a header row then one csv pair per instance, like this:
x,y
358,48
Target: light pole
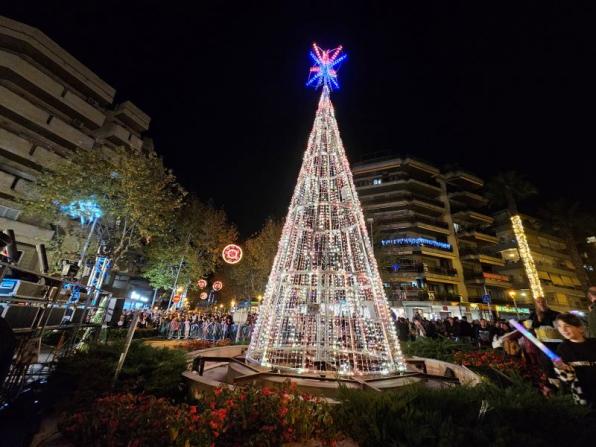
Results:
x,y
512,294
178,272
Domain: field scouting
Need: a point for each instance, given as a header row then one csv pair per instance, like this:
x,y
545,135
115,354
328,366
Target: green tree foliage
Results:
x,y
249,277
85,375
197,235
136,193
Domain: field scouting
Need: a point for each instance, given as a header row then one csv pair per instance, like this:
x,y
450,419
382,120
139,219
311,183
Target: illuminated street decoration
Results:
x,y
324,72
417,241
85,210
526,256
232,254
324,307
217,286
201,283
203,295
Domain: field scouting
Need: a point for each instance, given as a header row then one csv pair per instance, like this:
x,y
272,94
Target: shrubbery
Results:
x,y
244,416
462,416
440,348
87,374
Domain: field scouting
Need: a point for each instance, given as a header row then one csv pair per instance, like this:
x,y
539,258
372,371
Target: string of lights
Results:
x,y
417,241
526,256
324,307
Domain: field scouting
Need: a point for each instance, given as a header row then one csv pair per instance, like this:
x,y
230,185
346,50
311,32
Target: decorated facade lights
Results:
x,y
417,241
232,254
87,211
201,283
203,295
526,256
324,306
217,286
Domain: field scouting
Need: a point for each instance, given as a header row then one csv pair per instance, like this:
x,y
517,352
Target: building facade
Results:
x,y
556,271
50,104
433,238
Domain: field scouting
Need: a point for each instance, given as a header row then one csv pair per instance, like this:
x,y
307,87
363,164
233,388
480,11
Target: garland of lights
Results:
x,y
417,241
526,256
324,307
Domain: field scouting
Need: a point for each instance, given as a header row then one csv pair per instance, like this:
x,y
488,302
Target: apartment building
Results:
x,y
50,104
432,237
556,272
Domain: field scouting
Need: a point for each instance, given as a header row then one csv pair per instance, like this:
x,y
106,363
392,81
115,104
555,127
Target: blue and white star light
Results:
x,y
324,72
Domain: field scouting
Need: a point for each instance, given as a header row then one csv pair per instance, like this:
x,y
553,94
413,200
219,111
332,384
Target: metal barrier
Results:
x,y
48,321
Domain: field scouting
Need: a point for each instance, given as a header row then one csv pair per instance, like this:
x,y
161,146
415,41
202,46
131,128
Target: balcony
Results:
x,y
413,221
38,83
473,217
132,116
488,278
118,135
389,198
31,116
464,180
468,198
478,236
482,255
24,39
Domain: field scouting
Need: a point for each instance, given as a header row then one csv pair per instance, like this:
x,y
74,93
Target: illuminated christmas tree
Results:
x,y
324,307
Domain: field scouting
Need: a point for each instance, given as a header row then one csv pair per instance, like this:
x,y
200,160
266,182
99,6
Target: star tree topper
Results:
x,y
324,72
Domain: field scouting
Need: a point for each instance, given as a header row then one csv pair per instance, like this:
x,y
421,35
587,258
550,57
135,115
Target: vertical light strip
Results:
x,y
526,256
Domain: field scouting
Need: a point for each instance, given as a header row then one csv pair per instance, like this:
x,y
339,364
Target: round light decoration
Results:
x,y
217,286
232,254
203,295
201,283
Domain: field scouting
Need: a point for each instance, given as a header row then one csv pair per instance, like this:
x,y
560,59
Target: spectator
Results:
x,y
578,360
8,344
592,314
484,334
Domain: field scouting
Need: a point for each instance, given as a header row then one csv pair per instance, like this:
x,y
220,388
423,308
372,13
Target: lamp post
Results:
x,y
178,272
512,294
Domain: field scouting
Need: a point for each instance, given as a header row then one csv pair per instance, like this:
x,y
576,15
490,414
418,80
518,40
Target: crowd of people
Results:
x,y
572,342
187,324
573,345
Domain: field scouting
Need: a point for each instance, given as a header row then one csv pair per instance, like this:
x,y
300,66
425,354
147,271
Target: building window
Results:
x,y
377,181
9,213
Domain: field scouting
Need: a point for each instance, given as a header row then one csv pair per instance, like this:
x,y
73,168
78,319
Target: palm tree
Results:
x,y
507,188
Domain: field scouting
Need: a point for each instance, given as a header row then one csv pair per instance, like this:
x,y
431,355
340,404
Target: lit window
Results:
x,y
377,181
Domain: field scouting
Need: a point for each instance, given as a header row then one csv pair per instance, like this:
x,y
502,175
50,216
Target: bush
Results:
x,y
245,416
87,374
124,420
119,334
439,348
484,415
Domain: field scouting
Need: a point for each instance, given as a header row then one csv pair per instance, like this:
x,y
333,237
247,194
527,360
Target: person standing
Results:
x,y
8,344
592,312
578,359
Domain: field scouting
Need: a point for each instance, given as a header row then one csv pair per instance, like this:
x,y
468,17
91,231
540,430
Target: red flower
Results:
x,y
266,391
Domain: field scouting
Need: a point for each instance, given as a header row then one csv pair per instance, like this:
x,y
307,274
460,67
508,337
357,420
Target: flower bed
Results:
x,y
491,362
249,416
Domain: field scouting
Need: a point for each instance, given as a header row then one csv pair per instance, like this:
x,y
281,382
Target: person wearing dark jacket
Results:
x,y
577,366
8,344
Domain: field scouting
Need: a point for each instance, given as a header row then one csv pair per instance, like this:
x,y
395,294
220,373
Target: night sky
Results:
x,y
482,84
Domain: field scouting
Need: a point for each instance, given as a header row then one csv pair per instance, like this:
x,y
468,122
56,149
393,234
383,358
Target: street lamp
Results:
x,y
512,294
87,211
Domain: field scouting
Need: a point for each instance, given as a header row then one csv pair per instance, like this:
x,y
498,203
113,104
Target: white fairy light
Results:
x,y
324,306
